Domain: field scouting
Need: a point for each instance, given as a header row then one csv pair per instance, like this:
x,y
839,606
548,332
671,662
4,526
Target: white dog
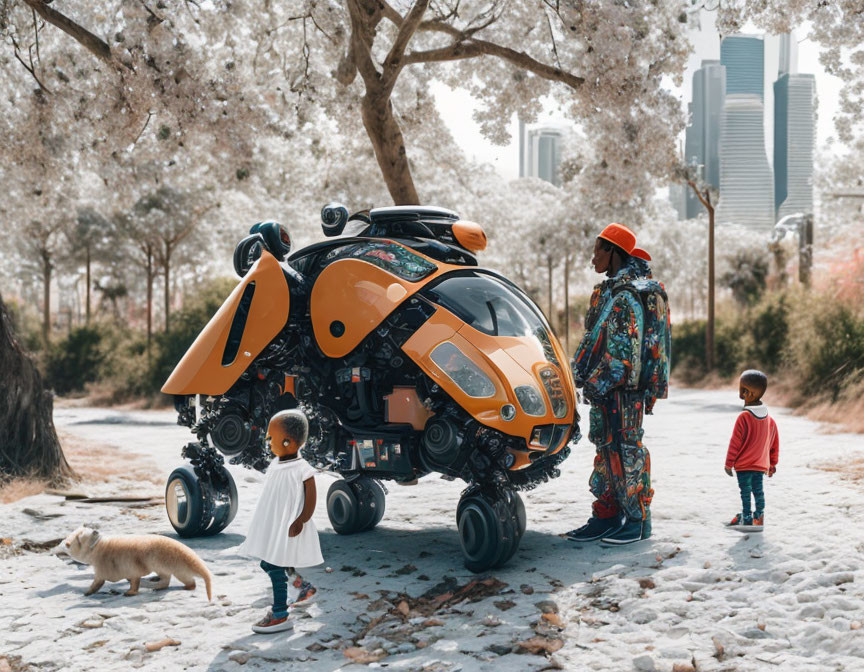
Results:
x,y
131,557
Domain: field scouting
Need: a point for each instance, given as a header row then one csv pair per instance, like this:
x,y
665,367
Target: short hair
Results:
x,y
294,424
755,378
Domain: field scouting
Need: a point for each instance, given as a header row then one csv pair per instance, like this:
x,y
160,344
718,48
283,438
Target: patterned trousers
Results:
x,y
621,480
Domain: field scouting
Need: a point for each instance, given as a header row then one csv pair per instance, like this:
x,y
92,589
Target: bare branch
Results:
x,y
392,64
29,68
83,36
361,44
472,48
702,198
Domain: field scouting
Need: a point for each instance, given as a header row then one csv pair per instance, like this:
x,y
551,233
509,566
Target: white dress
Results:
x,y
279,505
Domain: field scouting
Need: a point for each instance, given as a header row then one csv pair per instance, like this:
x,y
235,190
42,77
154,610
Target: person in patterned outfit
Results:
x,y
621,366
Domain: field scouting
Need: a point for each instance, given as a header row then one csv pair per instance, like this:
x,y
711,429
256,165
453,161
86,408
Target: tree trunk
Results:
x,y
166,269
551,314
149,302
709,329
46,299
28,442
567,304
389,146
87,318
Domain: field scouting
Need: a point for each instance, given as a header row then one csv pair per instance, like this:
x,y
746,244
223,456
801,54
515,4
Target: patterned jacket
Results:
x,y
608,358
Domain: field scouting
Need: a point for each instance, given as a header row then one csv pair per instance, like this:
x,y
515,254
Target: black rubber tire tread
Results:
x,y
521,515
342,490
226,514
374,501
195,501
478,515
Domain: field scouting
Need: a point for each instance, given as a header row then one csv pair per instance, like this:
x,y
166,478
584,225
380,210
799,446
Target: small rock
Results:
x,y
644,663
491,621
504,605
526,589
755,553
812,611
707,564
855,625
547,606
756,633
499,649
240,657
646,583
643,616
683,667
329,570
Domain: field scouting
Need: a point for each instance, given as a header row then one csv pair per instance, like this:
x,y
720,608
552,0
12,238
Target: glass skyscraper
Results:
x,y
794,134
746,180
540,153
702,138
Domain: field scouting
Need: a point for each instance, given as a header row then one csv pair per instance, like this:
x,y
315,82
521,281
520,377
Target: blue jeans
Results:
x,y
751,482
279,579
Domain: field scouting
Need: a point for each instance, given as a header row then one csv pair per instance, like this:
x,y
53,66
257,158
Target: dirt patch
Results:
x,y
848,470
92,463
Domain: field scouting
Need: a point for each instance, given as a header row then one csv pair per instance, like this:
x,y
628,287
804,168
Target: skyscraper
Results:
x,y
540,153
744,59
794,134
701,145
746,180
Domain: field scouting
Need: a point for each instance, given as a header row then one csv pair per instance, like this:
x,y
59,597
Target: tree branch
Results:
x,y
702,199
83,36
361,47
392,63
472,48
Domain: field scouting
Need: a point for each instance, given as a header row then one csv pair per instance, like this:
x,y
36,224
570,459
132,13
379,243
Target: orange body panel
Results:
x,y
470,235
201,370
507,361
404,407
359,295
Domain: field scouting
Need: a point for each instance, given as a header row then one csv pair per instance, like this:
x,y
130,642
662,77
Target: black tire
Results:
x,y
373,501
185,502
343,508
224,503
482,532
515,527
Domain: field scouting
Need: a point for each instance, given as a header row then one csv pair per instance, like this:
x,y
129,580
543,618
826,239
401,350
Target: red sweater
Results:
x,y
755,445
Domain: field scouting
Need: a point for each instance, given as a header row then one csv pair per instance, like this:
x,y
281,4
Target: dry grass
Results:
x,y
16,489
92,463
849,469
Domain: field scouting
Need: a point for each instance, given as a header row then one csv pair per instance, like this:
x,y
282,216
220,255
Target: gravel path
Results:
x,y
694,597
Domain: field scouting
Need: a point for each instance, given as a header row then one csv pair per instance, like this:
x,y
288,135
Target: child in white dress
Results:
x,y
282,533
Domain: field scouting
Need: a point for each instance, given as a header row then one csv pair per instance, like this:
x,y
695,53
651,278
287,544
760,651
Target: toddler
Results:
x,y
753,450
282,533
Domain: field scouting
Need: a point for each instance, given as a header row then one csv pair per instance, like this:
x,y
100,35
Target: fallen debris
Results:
x,y
161,644
539,645
360,655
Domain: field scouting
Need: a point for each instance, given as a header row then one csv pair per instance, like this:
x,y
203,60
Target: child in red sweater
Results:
x,y
753,449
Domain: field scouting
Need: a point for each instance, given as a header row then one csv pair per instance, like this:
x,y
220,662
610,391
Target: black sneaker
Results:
x,y
596,528
632,531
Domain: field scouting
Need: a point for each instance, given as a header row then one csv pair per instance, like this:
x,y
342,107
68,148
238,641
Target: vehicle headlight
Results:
x,y
530,400
462,371
554,390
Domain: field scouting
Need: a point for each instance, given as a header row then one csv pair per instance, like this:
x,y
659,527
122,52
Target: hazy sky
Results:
x,y
453,104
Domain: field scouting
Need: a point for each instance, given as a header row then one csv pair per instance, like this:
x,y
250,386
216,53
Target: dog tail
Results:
x,y
201,570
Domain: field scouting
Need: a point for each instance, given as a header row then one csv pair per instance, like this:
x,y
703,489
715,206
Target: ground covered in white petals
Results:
x,y
694,597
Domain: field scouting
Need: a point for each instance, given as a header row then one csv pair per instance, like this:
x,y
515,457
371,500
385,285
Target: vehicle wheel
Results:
x,y
223,498
372,499
185,502
343,508
516,524
483,531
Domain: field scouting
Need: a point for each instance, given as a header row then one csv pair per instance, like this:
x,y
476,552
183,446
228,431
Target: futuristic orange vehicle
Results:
x,y
405,355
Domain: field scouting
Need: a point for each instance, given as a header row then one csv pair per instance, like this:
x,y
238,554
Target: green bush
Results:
x,y
817,341
74,361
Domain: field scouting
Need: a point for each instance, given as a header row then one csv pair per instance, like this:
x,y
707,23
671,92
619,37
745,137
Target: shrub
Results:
x,y
74,361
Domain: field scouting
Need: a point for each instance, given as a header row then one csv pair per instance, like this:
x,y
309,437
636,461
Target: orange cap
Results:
x,y
620,235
